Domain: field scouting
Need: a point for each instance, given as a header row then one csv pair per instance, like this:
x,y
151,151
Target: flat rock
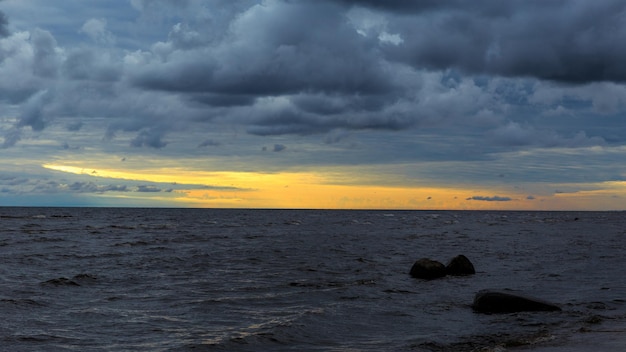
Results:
x,y
494,301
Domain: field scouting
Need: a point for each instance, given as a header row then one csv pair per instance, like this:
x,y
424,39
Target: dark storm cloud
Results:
x,y
4,25
569,41
272,50
337,74
291,120
224,100
486,7
316,67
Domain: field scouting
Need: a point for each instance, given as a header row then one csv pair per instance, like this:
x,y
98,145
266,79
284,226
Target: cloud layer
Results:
x,y
298,67
322,82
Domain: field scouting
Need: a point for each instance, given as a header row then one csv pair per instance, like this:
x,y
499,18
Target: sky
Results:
x,y
337,104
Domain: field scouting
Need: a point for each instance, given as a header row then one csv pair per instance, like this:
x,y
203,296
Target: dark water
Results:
x,y
274,280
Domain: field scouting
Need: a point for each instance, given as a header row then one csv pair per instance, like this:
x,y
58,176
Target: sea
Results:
x,y
132,279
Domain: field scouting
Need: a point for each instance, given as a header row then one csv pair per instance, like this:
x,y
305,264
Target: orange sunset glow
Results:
x,y
323,191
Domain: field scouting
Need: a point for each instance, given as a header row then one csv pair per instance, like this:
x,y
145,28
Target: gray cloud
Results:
x,y
90,187
292,120
268,71
89,64
223,100
553,40
158,5
66,146
209,143
323,104
150,138
95,28
148,189
4,25
45,61
10,180
489,6
289,121
514,134
279,147
491,199
272,52
25,61
74,126
32,113
343,76
15,185
11,137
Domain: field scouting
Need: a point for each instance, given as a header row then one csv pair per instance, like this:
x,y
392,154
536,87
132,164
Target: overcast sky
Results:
x,y
442,104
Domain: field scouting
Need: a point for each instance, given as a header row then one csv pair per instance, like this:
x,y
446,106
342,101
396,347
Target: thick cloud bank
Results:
x,y
301,67
569,41
382,81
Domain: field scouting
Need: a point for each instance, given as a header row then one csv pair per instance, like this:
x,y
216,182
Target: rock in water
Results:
x,y
459,266
62,281
489,301
428,269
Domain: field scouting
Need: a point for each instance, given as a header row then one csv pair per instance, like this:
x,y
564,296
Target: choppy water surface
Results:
x,y
274,280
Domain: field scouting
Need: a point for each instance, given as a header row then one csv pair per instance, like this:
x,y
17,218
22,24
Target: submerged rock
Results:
x,y
428,269
84,277
62,281
491,301
459,266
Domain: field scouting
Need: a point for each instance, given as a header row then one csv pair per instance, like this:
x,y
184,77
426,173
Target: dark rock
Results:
x,y
62,281
489,301
459,266
428,269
